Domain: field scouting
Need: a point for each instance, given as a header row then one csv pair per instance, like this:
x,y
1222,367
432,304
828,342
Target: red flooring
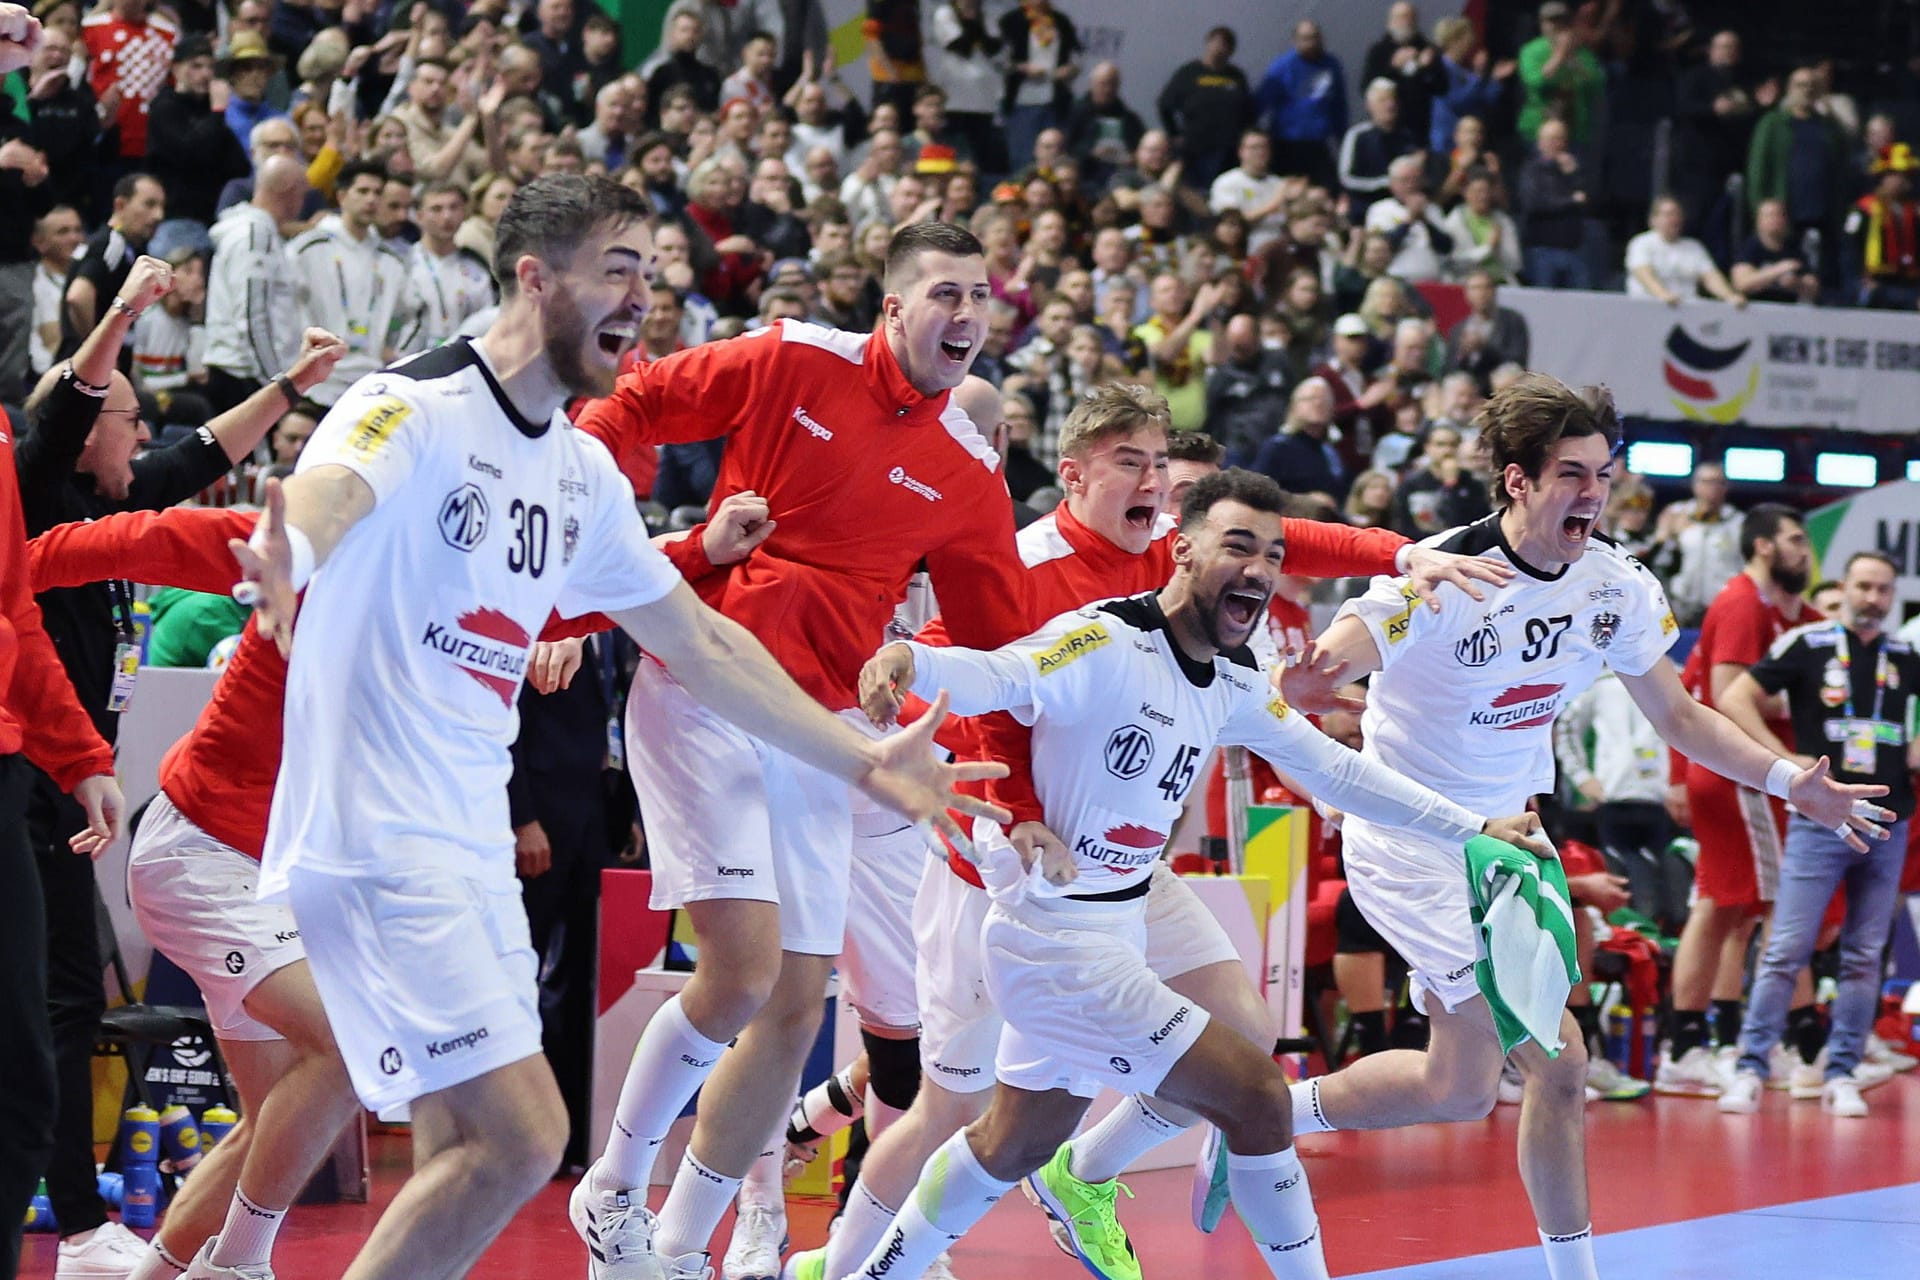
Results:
x,y
1385,1199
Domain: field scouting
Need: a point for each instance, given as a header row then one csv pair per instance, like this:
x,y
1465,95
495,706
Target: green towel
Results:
x,y
1525,917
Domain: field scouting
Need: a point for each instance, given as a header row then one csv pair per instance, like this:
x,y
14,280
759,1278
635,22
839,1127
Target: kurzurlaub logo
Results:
x,y
1703,378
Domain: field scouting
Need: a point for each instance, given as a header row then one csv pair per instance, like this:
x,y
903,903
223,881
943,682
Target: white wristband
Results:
x,y
1780,777
302,547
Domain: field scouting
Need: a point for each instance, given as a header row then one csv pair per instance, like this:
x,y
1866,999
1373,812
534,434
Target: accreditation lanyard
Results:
x,y
1861,747
126,653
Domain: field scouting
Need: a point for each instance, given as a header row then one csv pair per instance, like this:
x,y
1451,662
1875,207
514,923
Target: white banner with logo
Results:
x,y
1767,365
1887,520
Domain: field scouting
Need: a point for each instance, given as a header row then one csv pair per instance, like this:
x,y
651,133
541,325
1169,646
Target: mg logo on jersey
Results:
x,y
463,518
814,428
487,645
1524,706
1480,648
900,477
1129,752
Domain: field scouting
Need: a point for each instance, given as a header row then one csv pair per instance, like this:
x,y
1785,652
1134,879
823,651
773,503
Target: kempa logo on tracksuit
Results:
x,y
466,1041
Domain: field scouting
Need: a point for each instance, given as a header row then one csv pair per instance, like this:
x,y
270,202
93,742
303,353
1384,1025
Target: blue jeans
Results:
x,y
1816,863
1556,268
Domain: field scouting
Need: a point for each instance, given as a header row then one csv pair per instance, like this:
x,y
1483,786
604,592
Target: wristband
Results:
x,y
1401,559
96,390
287,389
301,571
1780,777
121,304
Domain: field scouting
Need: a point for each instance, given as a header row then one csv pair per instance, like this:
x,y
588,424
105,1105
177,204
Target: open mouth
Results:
x,y
958,350
617,339
1576,528
1241,606
1141,517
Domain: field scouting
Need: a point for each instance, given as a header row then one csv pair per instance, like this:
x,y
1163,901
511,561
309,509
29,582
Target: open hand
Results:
x,y
1846,809
1313,683
266,573
1427,569
911,780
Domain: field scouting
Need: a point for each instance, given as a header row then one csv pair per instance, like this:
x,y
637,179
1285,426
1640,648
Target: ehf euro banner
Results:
x,y
1767,365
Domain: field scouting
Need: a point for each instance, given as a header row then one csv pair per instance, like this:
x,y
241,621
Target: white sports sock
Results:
x,y
954,1193
1570,1257
669,1064
879,1116
157,1264
1307,1115
693,1208
862,1223
1125,1134
247,1237
1271,1196
825,1109
763,1185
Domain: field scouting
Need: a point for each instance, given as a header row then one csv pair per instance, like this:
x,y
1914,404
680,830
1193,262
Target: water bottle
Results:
x,y
40,1211
112,1188
140,1161
215,1123
179,1138
1619,1036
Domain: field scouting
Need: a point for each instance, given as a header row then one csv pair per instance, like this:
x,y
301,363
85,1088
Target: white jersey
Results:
x,y
253,311
413,638
440,294
1122,720
1471,714
353,289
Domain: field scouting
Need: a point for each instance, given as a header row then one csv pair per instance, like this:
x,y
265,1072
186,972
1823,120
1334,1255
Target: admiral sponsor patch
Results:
x,y
377,425
1072,645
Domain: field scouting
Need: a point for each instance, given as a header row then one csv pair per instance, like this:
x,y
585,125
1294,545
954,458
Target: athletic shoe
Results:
x,y
1810,1078
618,1231
1841,1097
1085,1211
1210,1193
1882,1054
688,1266
808,1264
111,1252
1694,1075
202,1268
759,1238
1726,1060
1742,1095
1512,1087
1608,1083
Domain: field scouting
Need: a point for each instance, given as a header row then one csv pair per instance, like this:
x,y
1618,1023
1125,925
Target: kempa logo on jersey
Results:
x,y
465,1040
487,645
900,477
485,468
1167,1029
813,426
1158,717
956,1071
1072,645
734,871
1524,706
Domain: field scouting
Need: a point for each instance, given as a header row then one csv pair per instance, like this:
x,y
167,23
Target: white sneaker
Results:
x,y
1810,1078
1841,1097
617,1230
1726,1059
1607,1082
759,1238
1512,1087
1882,1054
1695,1075
1742,1094
1782,1061
688,1266
110,1252
202,1268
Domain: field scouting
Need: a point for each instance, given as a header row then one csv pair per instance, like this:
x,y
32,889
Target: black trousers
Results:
x,y
1633,838
224,391
76,998
26,1043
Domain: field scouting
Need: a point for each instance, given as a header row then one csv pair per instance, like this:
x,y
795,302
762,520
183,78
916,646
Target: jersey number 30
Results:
x,y
1179,775
528,554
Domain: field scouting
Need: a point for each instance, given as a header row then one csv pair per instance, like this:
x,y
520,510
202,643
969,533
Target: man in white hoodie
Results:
x,y
253,322
350,280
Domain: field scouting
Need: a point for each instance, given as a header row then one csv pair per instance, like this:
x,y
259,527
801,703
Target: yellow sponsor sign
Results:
x,y
1399,625
1667,625
1072,645
1279,708
377,425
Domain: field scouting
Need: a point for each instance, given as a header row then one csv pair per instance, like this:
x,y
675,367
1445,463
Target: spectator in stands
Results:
x,y
1025,472
1043,51
682,63
1304,326
1154,164
350,282
557,42
1102,130
866,190
1412,226
960,59
445,283
816,124
1560,77
1302,100
1489,335
56,236
1157,238
1408,61
752,81
1671,267
25,195
1555,208
1468,84
1178,346
247,67
252,294
615,124
192,149
63,121
1615,761
1255,191
1801,157
1299,457
896,53
1247,390
1629,517
1882,231
1370,504
931,128
488,199
1484,237
725,28
1371,146
129,51
1205,103
1714,112
168,341
442,150
1468,158
1348,373
843,293
1697,544
139,205
1440,492
1768,268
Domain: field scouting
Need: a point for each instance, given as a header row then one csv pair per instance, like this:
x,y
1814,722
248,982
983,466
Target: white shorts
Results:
x,y
959,1022
876,965
195,900
728,816
1083,1011
1414,892
428,979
